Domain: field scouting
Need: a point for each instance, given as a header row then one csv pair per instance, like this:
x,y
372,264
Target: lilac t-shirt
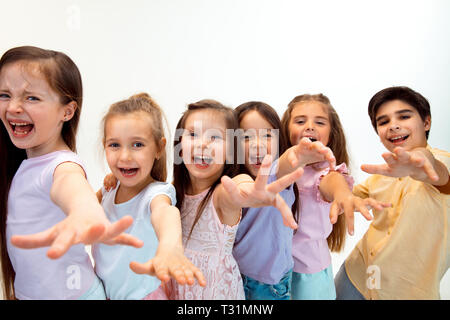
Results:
x,y
309,245
30,210
263,243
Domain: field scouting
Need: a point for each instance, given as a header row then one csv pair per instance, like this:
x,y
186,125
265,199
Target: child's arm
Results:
x,y
334,188
86,221
419,164
169,260
243,192
302,154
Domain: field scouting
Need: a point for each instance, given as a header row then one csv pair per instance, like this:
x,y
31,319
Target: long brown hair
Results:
x,y
337,143
64,78
271,116
143,102
181,179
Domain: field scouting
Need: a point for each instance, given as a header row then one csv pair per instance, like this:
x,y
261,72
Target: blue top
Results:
x,y
263,245
112,262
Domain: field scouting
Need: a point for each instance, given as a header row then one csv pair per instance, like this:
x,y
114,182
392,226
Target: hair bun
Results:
x,y
142,95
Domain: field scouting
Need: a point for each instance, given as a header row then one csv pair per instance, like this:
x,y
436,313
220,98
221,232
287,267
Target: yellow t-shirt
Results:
x,y
406,250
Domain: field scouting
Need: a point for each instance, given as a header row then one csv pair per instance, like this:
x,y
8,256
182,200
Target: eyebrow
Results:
x,y
317,117
396,112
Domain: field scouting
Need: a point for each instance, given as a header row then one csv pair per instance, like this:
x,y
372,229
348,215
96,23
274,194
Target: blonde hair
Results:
x,y
143,102
337,143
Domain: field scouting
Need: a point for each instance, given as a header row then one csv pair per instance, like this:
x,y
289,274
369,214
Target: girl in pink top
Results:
x,y
310,123
210,196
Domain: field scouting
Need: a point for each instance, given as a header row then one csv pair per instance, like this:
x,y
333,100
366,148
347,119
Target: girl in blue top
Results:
x,y
263,243
134,142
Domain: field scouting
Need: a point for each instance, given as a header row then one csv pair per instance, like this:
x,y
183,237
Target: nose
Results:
x,y
14,106
394,126
125,155
309,125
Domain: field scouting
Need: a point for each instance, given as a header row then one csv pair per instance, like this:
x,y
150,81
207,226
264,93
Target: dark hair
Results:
x,y
181,179
64,78
405,94
143,102
271,116
337,143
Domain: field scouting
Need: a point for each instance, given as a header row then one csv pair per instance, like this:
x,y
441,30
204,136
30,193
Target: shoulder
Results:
x,y
160,188
441,155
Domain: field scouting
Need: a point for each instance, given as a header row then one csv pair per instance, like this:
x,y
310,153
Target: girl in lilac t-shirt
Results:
x,y
310,122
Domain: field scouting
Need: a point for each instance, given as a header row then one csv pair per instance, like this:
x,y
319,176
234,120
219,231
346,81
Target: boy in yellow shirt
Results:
x,y
406,250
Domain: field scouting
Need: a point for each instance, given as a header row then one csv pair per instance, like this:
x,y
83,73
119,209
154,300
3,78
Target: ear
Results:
x,y
162,146
69,110
427,123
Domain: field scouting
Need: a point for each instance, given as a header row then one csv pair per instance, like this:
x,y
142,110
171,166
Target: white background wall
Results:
x,y
181,51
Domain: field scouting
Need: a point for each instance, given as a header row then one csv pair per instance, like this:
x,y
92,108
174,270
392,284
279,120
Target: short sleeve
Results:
x,y
162,188
342,169
362,190
48,172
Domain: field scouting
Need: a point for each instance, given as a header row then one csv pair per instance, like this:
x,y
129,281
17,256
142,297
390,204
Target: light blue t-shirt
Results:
x,y
112,262
263,244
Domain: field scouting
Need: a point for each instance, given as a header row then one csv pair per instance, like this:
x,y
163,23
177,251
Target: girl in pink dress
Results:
x,y
210,197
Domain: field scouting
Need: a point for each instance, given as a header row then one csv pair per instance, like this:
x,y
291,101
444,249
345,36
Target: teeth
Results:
x,y
398,138
20,124
198,159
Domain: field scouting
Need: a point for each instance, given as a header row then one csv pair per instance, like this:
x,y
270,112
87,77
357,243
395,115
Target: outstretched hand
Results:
x,y
258,193
307,152
170,263
85,228
402,163
346,203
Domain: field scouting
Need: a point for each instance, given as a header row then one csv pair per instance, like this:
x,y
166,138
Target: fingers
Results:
x,y
335,211
127,240
424,163
263,173
286,213
117,228
143,268
37,240
62,243
285,181
349,217
382,169
230,187
362,207
376,204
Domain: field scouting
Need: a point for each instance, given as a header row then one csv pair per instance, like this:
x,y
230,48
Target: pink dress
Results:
x,y
210,249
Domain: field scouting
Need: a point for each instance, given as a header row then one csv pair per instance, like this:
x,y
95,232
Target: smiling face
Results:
x,y
258,139
31,110
203,146
400,125
309,119
131,149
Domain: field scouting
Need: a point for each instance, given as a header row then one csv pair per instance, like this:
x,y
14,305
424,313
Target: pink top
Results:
x,y
210,249
309,245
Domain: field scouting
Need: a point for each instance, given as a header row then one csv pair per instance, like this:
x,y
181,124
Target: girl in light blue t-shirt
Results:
x,y
134,143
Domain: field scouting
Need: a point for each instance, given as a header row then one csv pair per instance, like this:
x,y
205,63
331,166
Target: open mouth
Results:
x,y
311,138
128,172
21,129
256,160
202,161
398,139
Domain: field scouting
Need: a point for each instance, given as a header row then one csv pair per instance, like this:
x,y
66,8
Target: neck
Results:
x,y
125,193
47,147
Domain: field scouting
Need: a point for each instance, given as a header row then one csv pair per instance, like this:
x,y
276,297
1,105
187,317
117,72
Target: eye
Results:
x,y
138,145
4,96
300,121
113,145
405,117
383,122
215,137
320,123
33,98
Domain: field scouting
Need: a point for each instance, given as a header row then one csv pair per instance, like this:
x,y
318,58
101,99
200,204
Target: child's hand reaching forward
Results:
x,y
245,192
170,263
418,164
